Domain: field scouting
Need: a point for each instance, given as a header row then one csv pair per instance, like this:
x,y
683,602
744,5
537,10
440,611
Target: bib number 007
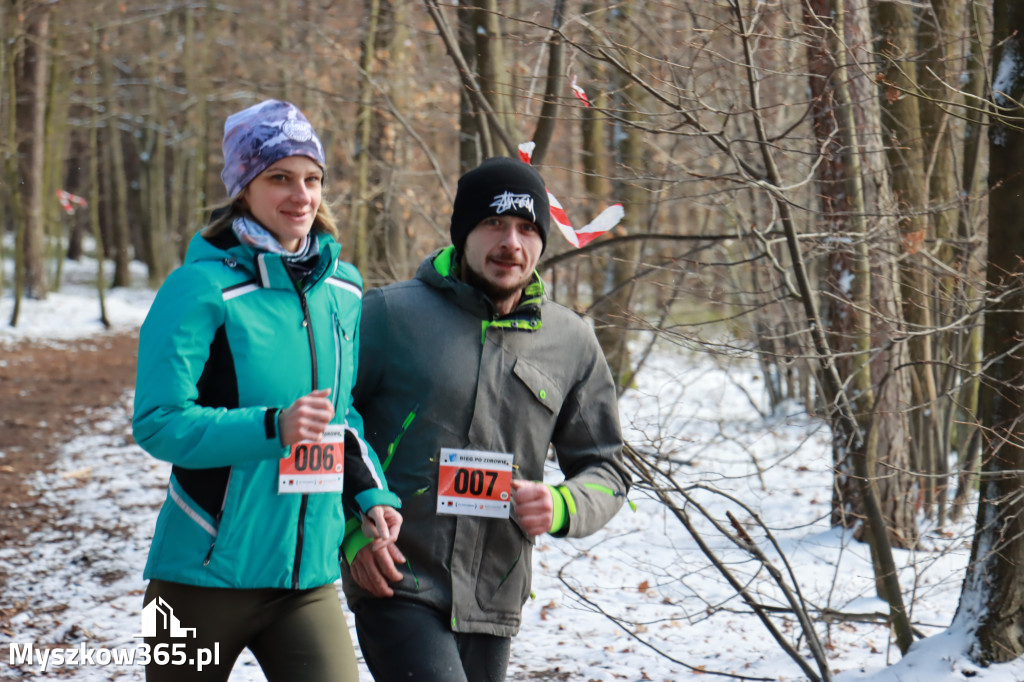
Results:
x,y
474,483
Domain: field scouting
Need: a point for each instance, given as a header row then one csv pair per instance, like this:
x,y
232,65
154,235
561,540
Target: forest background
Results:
x,y
829,187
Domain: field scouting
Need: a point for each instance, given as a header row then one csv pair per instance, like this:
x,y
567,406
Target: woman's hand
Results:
x,y
374,566
307,418
382,523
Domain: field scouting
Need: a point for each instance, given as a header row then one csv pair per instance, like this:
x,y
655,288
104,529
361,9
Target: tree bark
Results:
x,y
861,302
611,311
94,174
937,29
361,187
31,116
966,437
992,600
894,26
118,181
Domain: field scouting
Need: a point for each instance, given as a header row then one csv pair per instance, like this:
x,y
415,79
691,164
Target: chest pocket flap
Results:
x,y
543,389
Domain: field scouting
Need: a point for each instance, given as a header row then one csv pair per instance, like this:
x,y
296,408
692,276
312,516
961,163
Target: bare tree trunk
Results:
x,y
545,129
992,601
13,219
94,174
400,263
31,116
121,251
8,95
860,301
491,65
364,128
966,441
937,31
472,127
198,120
389,151
157,234
385,242
611,311
894,26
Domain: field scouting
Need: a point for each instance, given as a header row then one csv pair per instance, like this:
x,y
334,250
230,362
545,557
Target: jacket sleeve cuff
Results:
x,y
270,422
355,540
371,497
559,513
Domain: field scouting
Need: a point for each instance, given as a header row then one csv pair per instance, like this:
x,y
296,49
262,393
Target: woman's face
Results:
x,y
285,197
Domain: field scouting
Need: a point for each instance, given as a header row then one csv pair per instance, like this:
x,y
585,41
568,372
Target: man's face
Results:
x,y
499,258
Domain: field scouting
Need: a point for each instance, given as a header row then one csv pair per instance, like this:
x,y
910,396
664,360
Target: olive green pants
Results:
x,y
296,635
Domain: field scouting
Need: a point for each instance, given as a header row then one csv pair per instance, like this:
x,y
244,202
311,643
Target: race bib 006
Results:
x,y
314,467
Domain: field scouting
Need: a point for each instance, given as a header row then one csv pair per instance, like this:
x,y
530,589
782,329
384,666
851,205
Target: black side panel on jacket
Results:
x,y
218,387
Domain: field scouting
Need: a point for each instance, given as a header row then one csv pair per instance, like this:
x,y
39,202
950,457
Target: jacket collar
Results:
x,y
441,272
268,269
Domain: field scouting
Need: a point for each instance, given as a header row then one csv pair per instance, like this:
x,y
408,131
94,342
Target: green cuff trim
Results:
x,y
355,540
559,516
567,496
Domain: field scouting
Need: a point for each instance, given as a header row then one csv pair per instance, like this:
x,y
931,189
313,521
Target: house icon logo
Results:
x,y
159,616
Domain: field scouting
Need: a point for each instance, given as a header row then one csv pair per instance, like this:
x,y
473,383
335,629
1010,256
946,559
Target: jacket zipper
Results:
x,y
220,515
307,322
339,333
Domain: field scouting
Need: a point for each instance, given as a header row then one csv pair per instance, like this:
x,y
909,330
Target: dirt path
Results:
x,y
48,393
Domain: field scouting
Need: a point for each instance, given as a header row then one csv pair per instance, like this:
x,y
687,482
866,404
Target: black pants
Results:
x,y
296,635
405,640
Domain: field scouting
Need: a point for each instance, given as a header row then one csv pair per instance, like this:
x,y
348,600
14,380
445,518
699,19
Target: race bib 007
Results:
x,y
314,467
475,483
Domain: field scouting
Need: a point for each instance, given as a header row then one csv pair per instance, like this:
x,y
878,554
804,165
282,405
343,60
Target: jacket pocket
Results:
x,y
503,568
343,360
193,526
542,387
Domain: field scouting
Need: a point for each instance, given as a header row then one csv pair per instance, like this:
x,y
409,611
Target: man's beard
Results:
x,y
495,292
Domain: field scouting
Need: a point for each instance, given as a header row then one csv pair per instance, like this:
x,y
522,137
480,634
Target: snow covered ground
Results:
x,y
637,601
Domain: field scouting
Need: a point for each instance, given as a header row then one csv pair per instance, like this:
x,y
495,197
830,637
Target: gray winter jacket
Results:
x,y
439,369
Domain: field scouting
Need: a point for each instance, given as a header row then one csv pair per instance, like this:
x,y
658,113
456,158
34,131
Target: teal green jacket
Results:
x,y
229,342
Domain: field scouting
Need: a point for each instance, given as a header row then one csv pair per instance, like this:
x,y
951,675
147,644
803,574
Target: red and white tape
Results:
x,y
605,221
68,201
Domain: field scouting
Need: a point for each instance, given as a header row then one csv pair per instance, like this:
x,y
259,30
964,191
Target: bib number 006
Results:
x,y
314,467
314,457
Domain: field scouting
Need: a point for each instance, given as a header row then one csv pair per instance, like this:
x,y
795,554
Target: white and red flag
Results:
x,y
605,221
581,95
68,201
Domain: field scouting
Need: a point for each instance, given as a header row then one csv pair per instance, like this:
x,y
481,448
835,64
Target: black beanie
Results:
x,y
500,186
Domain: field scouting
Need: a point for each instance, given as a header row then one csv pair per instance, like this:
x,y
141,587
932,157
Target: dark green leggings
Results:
x,y
296,635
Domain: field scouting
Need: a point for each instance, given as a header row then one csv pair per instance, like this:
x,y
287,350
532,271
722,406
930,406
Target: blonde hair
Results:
x,y
225,213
